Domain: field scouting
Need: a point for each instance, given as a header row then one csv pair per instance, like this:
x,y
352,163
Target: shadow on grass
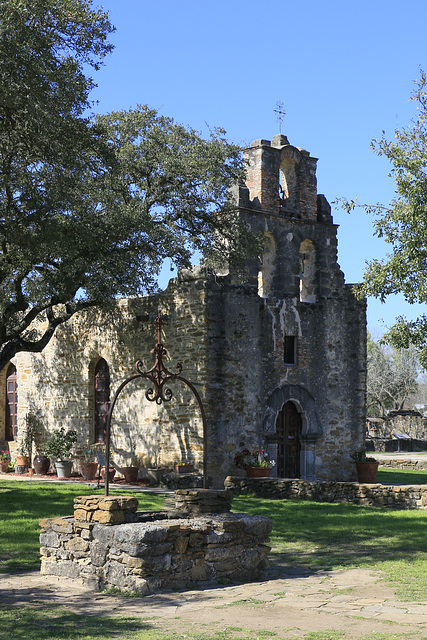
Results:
x,y
335,535
52,622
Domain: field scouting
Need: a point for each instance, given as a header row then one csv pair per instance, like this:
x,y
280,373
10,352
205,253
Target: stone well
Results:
x,y
108,543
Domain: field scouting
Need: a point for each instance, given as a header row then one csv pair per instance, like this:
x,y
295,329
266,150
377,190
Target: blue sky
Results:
x,y
344,71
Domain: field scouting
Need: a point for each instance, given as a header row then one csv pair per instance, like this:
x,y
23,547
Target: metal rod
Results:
x,y
158,375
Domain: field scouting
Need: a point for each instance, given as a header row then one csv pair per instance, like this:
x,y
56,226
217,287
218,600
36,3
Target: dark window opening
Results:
x,y
11,425
289,355
102,399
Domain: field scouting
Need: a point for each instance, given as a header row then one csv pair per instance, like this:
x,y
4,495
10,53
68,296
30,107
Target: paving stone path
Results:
x,y
299,601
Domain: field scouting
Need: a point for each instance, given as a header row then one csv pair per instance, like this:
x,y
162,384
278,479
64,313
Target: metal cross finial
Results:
x,y
280,114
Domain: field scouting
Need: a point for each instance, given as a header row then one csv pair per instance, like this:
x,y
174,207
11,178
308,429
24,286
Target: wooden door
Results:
x,y
288,428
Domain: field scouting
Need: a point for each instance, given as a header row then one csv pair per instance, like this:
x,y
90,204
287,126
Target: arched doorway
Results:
x,y
288,429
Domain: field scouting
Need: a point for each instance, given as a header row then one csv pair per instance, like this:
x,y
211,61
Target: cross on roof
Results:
x,y
280,114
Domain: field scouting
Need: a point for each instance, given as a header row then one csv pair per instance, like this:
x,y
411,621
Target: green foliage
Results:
x,y
90,207
360,456
61,443
403,225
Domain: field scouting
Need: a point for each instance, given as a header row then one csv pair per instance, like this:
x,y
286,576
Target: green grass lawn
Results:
x,y
318,535
401,476
23,504
336,536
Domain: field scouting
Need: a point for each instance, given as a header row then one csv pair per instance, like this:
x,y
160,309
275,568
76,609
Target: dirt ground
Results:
x,y
299,601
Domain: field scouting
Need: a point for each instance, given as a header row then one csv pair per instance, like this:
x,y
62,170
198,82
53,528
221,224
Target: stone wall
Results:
x,y
394,445
410,423
412,465
158,550
372,495
58,384
230,338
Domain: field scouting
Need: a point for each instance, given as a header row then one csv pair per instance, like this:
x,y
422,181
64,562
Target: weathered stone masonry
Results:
x,y
280,361
156,550
368,495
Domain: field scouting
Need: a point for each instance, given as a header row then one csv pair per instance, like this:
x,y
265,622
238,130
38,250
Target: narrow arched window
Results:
x,y
267,266
307,257
288,184
102,399
11,423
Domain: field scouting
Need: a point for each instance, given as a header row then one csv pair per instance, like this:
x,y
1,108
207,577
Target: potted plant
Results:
x,y
183,467
41,462
23,458
366,467
131,472
4,461
257,464
59,446
88,465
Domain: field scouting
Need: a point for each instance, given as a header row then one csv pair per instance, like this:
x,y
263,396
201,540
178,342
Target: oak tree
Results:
x,y
91,206
403,225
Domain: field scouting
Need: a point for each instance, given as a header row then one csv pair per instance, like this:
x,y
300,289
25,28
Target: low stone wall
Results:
x,y
155,550
412,465
373,495
393,445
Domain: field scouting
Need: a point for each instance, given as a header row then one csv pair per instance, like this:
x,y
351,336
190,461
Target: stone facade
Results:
x,y
279,361
156,551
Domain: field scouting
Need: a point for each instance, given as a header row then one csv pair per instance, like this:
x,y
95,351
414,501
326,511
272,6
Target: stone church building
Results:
x,y
279,361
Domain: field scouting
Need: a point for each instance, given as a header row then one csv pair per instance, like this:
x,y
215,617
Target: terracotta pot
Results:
x,y
4,464
41,464
184,468
22,461
111,473
257,472
130,474
366,472
88,470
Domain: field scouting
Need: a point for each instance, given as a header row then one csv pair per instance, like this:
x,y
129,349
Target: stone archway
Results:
x,y
310,428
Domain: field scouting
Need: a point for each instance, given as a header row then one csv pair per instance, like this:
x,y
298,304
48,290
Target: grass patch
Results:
x,y
317,535
46,621
342,536
23,504
51,622
401,476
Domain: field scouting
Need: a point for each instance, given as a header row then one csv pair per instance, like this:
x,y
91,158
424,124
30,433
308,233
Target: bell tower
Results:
x,y
308,344
281,178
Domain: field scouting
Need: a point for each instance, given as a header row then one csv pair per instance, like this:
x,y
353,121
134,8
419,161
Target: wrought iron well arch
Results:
x,y
159,375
